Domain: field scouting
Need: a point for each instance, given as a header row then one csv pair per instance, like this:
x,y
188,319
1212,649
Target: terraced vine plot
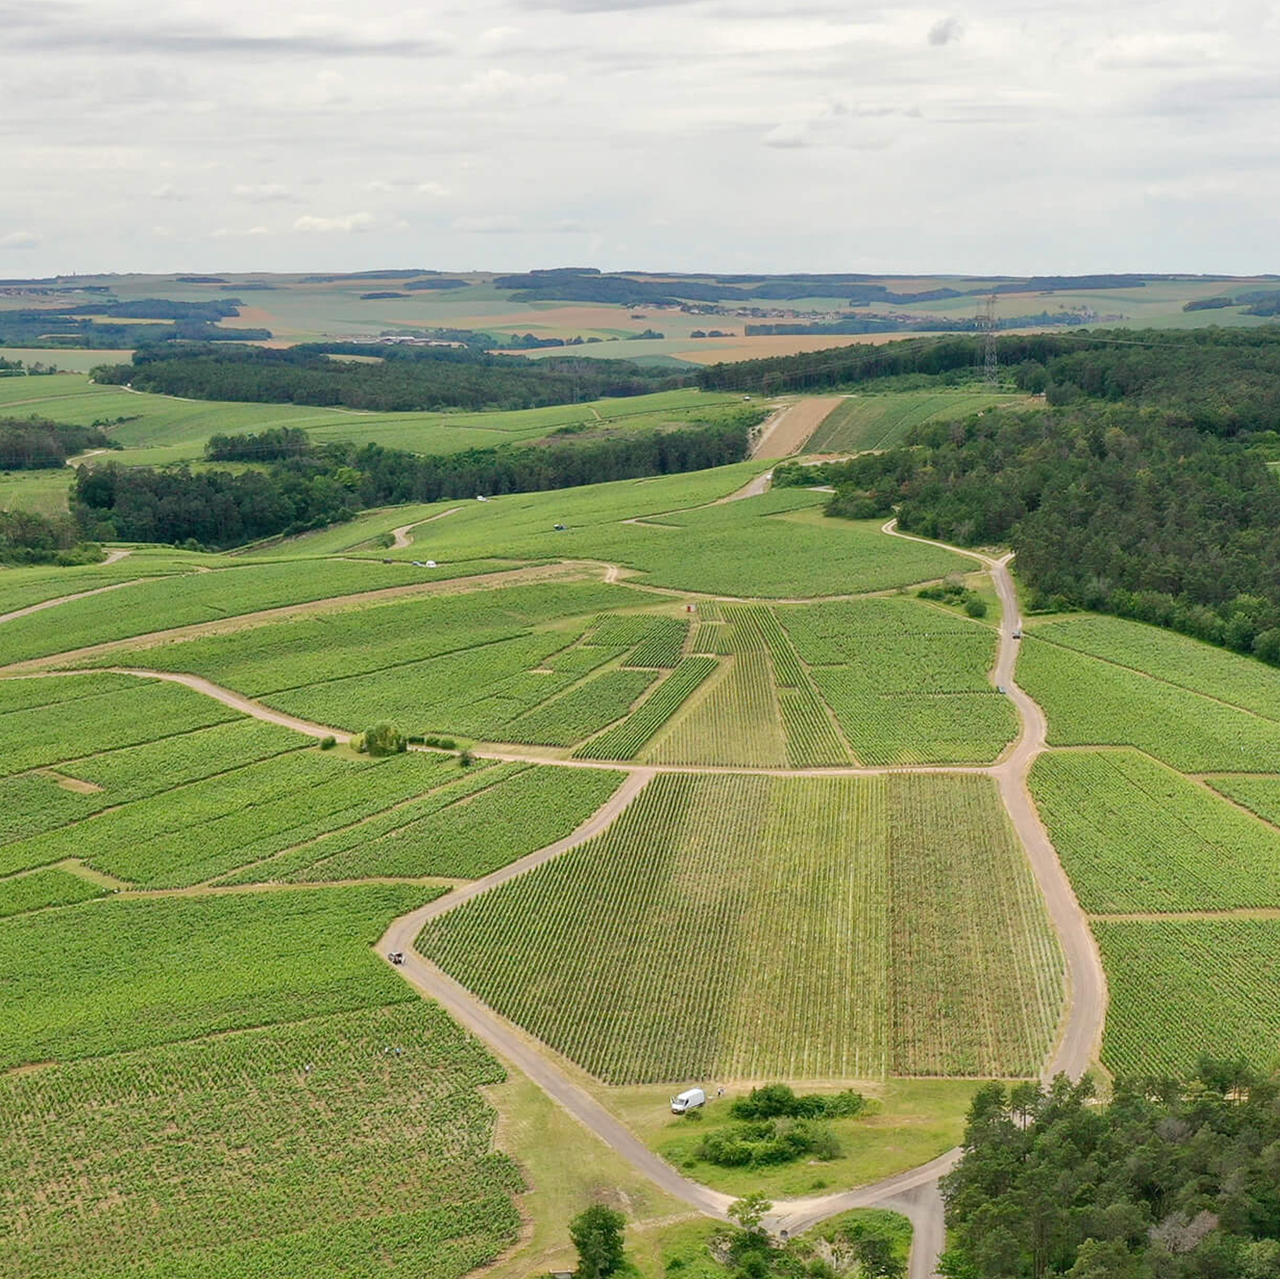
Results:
x,y
166,1162
1172,658
742,926
186,966
1135,836
64,718
36,802
1260,795
464,830
1190,732
625,740
734,720
880,421
50,887
581,711
282,655
1180,987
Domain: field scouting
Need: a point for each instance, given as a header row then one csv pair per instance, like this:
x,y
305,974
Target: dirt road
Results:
x,y
400,536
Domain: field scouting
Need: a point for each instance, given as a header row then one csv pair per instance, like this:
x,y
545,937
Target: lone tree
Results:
x,y
381,739
597,1235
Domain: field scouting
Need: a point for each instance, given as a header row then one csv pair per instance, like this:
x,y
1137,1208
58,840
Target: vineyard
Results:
x,y
881,421
744,927
186,966
1189,731
626,739
1183,987
1135,836
165,1162
1261,795
42,888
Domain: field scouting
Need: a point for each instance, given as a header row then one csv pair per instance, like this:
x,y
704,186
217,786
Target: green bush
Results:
x,y
382,739
975,606
328,743
763,1143
772,1101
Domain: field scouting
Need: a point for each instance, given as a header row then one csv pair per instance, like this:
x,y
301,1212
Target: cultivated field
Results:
x,y
871,421
746,928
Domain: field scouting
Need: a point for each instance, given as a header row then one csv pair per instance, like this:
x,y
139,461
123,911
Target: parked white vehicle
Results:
x,y
690,1099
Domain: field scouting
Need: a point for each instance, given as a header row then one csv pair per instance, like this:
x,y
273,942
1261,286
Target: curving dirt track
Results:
x,y
400,536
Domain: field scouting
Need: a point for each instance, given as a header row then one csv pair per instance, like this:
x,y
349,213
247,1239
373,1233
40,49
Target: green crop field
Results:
x,y
23,587
1135,836
1181,987
1260,795
1124,707
870,421
742,927
1174,659
186,966
167,1162
50,886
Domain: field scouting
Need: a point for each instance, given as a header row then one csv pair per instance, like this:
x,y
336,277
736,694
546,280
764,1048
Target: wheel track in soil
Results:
x,y
915,1192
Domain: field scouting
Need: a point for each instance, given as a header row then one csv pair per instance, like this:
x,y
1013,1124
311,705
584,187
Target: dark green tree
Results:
x,y
597,1233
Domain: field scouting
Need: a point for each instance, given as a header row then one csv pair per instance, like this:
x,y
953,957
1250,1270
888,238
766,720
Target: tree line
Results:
x,y
330,483
1173,1179
37,444
407,379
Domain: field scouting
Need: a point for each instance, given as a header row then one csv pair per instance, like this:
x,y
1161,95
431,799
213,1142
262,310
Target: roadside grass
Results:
x,y
907,1123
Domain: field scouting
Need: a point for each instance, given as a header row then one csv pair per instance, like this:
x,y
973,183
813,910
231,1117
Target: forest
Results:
x,y
36,444
1173,1179
408,378
329,483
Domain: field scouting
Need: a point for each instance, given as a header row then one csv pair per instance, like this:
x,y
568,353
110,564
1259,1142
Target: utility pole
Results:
x,y
988,325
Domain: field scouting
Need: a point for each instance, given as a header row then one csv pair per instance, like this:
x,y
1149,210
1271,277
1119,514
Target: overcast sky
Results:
x,y
736,135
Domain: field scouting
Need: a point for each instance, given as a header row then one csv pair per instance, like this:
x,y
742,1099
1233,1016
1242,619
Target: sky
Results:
x,y
728,135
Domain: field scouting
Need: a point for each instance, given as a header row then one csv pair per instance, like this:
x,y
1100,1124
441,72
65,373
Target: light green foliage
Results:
x,y
206,829
1181,987
870,421
308,651
51,887
663,645
241,1161
584,709
625,740
1173,659
89,713
907,683
104,977
733,720
191,599
812,740
1135,836
22,587
1258,794
1191,732
466,829
747,927
32,803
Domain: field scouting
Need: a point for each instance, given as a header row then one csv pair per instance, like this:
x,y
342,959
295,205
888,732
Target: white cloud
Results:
x,y
167,191
488,224
262,193
498,38
223,233
788,136
432,188
499,86
346,224
19,240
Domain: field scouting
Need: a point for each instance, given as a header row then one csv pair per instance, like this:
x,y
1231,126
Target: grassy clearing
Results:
x,y
44,492
187,966
1135,836
390,1168
1183,987
1124,707
870,421
740,927
907,1123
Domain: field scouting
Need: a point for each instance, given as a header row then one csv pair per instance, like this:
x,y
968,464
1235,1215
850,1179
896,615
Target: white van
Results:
x,y
690,1099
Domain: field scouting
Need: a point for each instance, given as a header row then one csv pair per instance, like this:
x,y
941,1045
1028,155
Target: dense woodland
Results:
x,y
35,444
323,484
1171,1180
408,378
